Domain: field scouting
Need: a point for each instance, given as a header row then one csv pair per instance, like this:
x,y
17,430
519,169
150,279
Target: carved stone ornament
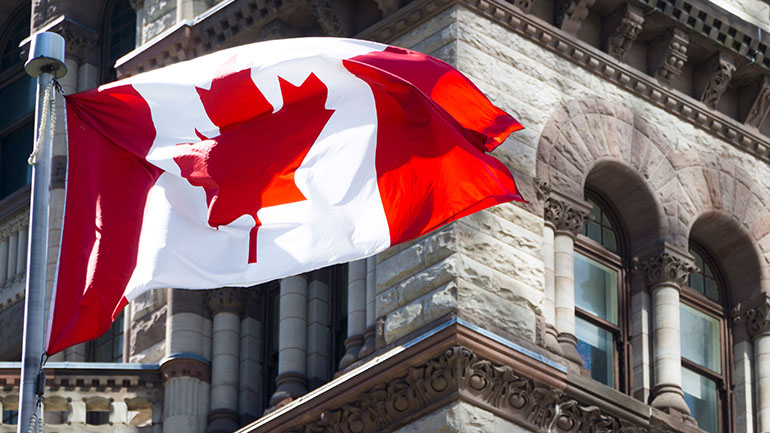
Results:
x,y
387,6
569,14
720,70
625,32
760,105
80,42
565,214
496,387
525,5
757,319
666,267
327,17
668,55
542,189
225,299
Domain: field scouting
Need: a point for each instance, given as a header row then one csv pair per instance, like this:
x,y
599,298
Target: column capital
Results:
x,y
225,299
185,365
566,214
755,314
665,265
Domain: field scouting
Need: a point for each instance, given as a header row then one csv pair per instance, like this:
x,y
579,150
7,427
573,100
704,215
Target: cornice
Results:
x,y
588,57
462,363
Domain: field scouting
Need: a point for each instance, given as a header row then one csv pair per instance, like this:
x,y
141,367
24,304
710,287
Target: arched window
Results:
x,y
17,93
119,36
704,337
600,297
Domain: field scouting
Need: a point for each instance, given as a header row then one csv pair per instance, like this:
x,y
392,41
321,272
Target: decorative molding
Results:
x,y
668,54
610,69
185,367
712,77
568,15
566,214
666,266
624,26
755,314
327,17
225,300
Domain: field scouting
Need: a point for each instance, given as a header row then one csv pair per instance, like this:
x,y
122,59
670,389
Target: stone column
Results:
x,y
318,333
251,387
13,246
756,315
186,370
21,253
567,217
666,271
3,258
356,312
189,9
226,306
371,313
291,381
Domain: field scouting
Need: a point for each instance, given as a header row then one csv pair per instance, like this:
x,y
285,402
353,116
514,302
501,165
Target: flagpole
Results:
x,y
46,62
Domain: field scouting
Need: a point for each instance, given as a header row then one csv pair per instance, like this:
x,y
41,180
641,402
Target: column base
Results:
x,y
568,344
352,347
289,386
222,421
369,343
670,399
551,341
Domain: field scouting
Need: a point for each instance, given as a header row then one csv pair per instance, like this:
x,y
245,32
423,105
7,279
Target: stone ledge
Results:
x,y
461,362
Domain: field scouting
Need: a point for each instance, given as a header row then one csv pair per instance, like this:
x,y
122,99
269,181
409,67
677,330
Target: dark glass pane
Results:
x,y
609,240
11,54
712,290
117,349
594,231
97,418
595,346
17,101
14,152
700,394
696,282
122,38
10,417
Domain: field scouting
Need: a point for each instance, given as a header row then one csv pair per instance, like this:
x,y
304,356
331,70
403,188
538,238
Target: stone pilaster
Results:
x,y
667,55
318,332
569,14
665,271
620,29
251,368
356,312
567,216
755,314
371,319
226,305
291,381
711,78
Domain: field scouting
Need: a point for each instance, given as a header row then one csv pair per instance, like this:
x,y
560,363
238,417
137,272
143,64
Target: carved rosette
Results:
x,y
629,27
225,299
666,267
756,316
566,215
569,14
722,68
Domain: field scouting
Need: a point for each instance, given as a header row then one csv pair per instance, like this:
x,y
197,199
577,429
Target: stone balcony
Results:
x,y
84,397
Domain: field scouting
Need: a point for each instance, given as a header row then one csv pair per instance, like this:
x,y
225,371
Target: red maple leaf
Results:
x,y
251,164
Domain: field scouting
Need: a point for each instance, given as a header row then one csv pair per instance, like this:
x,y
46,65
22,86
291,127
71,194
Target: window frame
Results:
x,y
719,311
622,355
108,71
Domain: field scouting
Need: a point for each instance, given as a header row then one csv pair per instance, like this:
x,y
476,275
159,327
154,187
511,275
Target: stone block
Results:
x,y
403,321
440,302
423,282
400,265
493,312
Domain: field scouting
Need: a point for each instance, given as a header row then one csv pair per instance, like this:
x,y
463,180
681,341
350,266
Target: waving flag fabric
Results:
x,y
261,162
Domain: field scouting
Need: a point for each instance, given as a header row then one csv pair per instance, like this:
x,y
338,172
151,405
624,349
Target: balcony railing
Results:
x,y
84,396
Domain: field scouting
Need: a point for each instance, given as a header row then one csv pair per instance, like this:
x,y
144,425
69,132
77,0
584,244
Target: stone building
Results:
x,y
630,294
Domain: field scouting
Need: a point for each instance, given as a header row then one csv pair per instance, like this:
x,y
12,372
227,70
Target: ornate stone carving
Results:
x,y
566,214
756,315
666,267
542,189
624,26
712,77
225,299
569,14
387,6
668,54
327,17
756,99
80,42
524,4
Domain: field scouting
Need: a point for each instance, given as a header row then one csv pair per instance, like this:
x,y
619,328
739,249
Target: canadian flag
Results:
x,y
260,162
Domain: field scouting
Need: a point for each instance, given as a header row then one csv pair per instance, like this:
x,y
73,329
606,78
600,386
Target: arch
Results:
x,y
596,143
13,33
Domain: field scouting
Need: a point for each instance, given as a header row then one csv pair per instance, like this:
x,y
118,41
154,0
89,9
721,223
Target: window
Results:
x,y
108,347
272,293
120,36
704,334
600,325
10,417
17,91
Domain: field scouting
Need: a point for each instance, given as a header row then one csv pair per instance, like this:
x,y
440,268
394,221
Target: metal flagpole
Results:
x,y
46,62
